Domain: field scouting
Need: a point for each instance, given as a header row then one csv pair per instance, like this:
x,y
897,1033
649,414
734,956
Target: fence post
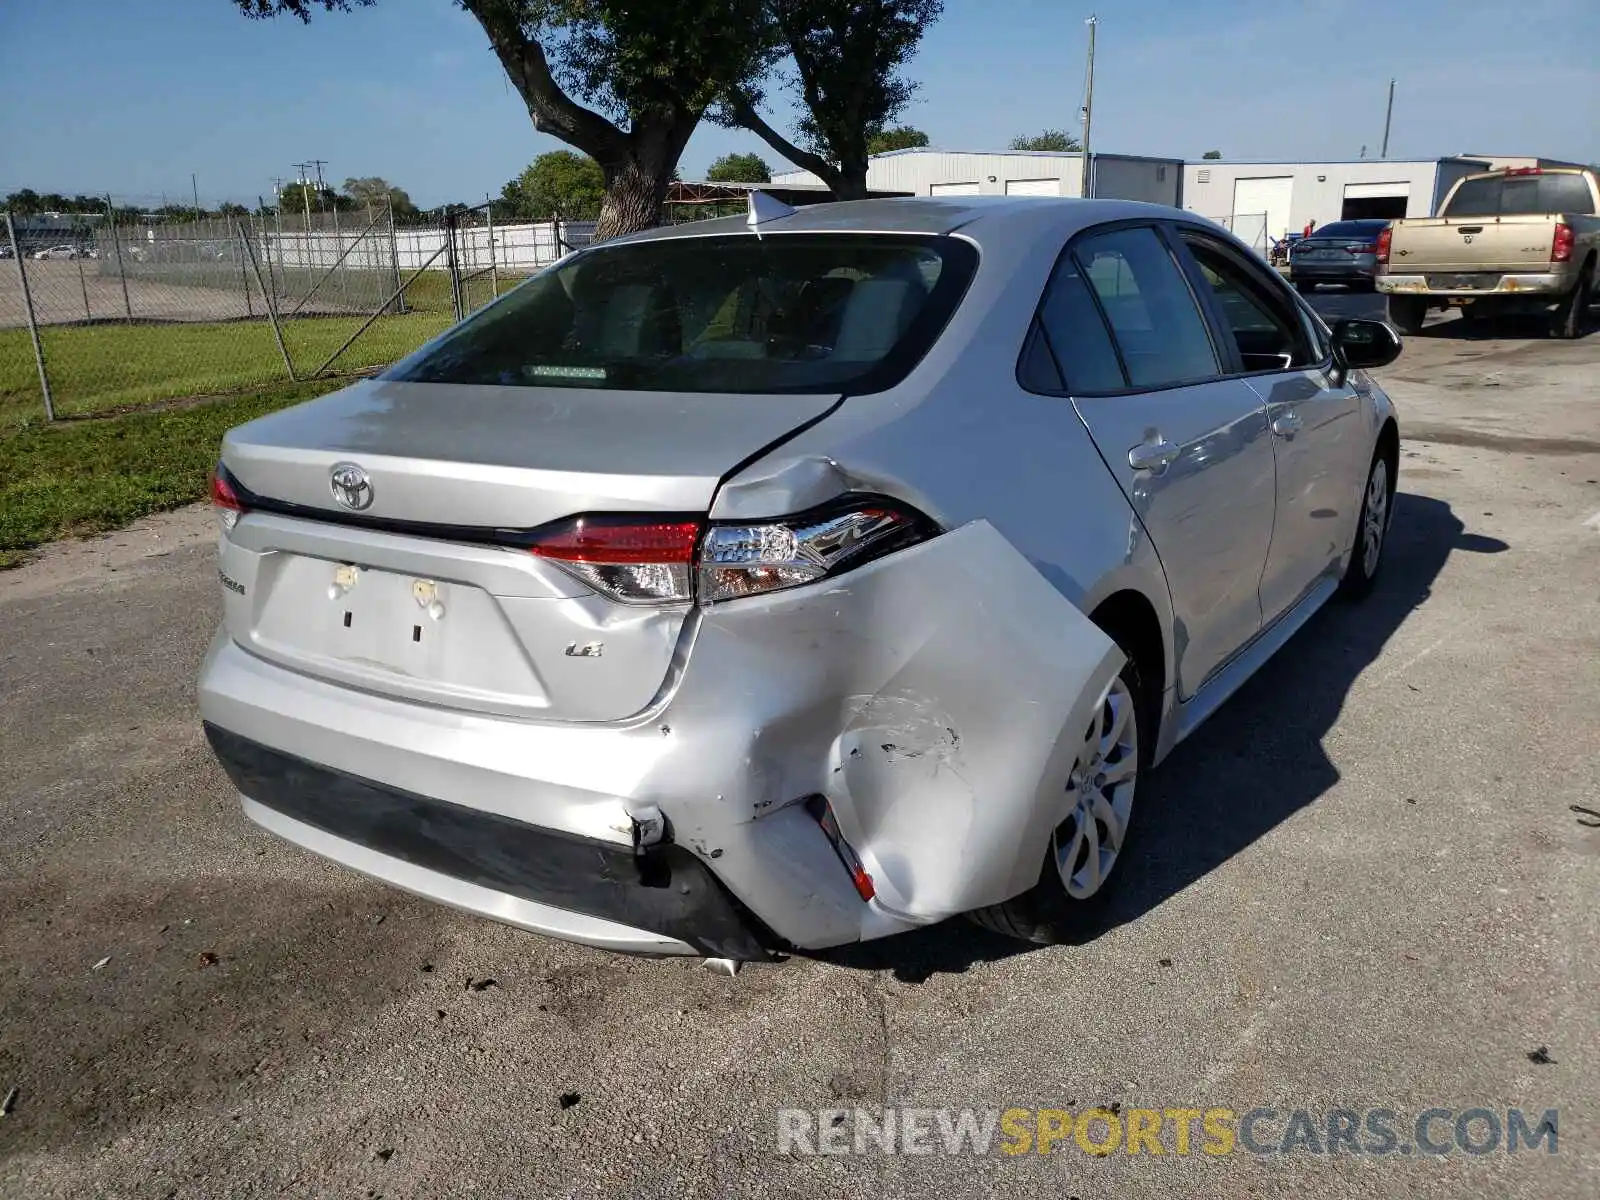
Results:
x,y
33,324
244,271
451,265
83,283
394,264
272,308
494,274
116,246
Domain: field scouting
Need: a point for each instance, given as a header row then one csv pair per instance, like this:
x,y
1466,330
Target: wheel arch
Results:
x,y
1128,618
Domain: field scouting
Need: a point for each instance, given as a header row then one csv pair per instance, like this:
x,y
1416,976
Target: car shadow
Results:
x,y
1197,816
1484,329
1260,758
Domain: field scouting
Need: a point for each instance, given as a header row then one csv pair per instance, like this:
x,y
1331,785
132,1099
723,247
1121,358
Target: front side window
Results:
x,y
804,312
1266,329
1159,331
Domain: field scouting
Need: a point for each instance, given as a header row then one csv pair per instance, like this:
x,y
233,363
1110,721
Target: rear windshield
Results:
x,y
1508,195
1359,230
800,312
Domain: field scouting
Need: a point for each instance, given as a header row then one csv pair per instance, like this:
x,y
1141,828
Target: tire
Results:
x,y
1049,913
1407,313
1573,315
1372,529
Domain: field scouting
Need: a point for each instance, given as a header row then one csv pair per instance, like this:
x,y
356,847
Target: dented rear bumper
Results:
x,y
934,698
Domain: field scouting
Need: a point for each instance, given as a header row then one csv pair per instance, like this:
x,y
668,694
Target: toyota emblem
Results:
x,y
350,486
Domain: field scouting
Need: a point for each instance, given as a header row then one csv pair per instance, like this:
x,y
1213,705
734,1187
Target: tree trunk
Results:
x,y
852,181
634,196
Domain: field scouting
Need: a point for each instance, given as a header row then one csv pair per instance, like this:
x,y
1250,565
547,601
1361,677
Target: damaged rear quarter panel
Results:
x,y
935,697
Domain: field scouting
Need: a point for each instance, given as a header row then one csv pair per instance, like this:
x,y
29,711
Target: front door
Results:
x,y
1319,441
1188,445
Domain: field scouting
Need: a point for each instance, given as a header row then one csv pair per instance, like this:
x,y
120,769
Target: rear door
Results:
x,y
1320,444
1187,443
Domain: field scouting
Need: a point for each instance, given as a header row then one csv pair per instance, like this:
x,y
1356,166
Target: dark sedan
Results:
x,y
1344,252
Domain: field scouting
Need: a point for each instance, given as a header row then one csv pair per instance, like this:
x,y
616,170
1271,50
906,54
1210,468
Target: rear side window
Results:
x,y
781,313
1510,195
1159,332
1076,334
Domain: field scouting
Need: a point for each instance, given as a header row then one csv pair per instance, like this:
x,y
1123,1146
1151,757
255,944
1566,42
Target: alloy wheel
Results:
x,y
1375,519
1099,795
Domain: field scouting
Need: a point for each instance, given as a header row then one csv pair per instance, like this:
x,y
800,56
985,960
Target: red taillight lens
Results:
x,y
226,499
1385,237
632,559
1561,244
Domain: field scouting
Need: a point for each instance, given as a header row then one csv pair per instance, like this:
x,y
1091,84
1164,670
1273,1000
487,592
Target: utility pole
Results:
x,y
305,190
1088,107
1387,116
194,187
319,163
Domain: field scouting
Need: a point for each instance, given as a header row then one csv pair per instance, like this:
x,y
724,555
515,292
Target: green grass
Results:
x,y
81,477
105,368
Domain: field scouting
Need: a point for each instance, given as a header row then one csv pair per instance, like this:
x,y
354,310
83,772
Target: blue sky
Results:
x,y
105,95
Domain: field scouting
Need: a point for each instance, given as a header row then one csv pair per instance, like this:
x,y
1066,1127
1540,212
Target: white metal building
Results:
x,y
1266,200
928,172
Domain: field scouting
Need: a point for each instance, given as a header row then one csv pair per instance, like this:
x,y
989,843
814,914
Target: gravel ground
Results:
x,y
1363,885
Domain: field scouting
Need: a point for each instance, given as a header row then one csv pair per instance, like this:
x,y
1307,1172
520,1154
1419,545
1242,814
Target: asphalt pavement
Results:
x,y
1368,883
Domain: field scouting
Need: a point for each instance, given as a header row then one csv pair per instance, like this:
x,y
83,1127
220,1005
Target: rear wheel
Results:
x,y
1406,313
1372,530
1573,315
1069,902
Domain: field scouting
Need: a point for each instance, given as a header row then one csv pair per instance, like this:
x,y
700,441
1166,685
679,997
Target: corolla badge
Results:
x,y
350,485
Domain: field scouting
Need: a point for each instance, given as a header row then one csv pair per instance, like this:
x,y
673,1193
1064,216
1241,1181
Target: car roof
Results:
x,y
977,216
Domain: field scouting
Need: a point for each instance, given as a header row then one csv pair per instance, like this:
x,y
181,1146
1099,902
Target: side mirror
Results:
x,y
1363,345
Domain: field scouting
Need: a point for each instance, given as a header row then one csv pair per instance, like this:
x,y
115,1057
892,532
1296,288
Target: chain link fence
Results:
x,y
104,316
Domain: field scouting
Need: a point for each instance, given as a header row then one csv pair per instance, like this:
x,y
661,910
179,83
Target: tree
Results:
x,y
230,209
559,183
902,137
846,56
294,196
24,203
1050,139
625,83
375,190
1212,155
740,168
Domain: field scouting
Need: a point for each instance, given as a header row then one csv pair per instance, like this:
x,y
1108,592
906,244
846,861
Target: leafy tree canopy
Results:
x,y
559,183
844,64
740,168
1212,154
901,137
373,191
1050,139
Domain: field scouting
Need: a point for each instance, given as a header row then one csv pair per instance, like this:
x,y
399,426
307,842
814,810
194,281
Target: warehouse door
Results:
x,y
1271,196
1374,200
954,189
1033,187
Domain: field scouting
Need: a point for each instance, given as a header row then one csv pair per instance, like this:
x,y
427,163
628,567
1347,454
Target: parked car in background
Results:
x,y
1519,241
7,252
1344,252
56,252
686,600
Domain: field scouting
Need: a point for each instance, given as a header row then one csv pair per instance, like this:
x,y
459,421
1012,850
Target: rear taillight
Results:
x,y
744,560
1385,236
631,559
225,497
639,560
1561,244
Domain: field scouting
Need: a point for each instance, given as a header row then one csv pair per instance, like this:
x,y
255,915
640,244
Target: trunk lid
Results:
x,y
407,598
1499,244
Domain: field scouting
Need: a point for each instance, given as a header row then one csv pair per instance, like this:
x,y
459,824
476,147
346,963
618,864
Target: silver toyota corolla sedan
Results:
x,y
779,583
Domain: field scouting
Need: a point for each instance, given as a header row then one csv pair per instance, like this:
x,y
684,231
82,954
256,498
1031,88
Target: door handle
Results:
x,y
1154,457
1287,424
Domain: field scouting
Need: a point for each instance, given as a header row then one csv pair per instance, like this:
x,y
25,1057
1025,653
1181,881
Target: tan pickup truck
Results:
x,y
1523,240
